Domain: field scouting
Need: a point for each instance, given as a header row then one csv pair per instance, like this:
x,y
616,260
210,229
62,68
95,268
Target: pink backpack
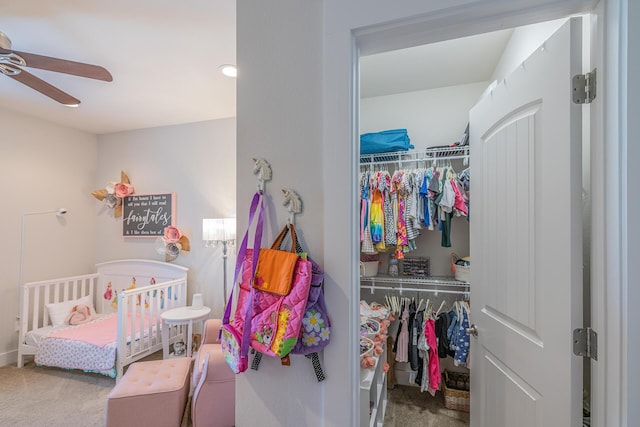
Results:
x,y
315,331
276,319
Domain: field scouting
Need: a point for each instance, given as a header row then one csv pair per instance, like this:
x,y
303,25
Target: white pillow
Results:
x,y
59,311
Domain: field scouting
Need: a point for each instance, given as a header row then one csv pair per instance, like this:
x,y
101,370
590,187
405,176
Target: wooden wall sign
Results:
x,y
146,215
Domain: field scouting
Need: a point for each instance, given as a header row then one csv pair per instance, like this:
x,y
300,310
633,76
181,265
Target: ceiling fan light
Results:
x,y
72,105
228,70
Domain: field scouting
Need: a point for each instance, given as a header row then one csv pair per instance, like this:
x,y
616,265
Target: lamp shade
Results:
x,y
218,229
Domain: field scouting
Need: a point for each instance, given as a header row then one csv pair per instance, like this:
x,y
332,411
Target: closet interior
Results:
x,y
406,301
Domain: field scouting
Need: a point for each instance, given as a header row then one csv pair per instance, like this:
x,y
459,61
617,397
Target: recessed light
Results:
x,y
228,70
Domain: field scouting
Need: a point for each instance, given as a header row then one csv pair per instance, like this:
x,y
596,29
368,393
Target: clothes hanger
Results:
x,y
442,304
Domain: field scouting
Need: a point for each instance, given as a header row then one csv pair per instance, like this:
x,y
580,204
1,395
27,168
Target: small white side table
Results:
x,y
181,316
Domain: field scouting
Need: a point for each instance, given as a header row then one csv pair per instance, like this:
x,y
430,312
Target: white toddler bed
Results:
x,y
128,297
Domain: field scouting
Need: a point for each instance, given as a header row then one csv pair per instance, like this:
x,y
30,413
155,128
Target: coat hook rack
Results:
x,y
293,203
262,170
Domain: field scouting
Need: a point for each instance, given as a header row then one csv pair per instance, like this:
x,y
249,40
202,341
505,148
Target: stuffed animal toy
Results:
x,y
79,314
179,348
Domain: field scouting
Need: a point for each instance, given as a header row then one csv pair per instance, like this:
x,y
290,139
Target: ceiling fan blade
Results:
x,y
65,66
45,88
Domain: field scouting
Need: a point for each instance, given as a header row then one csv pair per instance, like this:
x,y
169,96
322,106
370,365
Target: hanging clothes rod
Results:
x,y
401,290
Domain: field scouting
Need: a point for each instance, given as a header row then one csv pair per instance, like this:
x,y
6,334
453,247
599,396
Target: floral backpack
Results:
x,y
316,326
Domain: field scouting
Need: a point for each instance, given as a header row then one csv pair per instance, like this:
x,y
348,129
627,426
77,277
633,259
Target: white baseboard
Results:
x,y
9,358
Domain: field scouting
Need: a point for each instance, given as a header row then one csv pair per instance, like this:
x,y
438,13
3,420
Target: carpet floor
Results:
x,y
407,406
37,396
50,397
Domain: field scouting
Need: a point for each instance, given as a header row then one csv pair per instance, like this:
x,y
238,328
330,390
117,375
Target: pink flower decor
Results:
x,y
379,338
172,234
114,192
385,367
377,350
172,243
122,189
367,362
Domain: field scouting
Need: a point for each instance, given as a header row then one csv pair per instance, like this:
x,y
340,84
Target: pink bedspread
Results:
x,y
91,346
97,333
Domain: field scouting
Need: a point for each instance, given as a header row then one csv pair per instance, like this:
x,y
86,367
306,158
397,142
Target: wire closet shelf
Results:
x,y
401,158
431,284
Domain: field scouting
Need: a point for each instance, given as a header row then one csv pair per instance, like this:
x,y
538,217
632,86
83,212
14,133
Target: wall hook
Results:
x,y
293,203
262,170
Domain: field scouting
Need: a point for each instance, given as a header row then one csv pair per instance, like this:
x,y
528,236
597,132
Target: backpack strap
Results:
x,y
255,363
256,203
317,366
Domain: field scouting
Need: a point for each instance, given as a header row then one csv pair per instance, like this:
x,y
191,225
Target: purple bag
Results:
x,y
315,330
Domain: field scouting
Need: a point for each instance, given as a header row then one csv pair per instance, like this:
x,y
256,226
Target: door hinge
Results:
x,y
585,343
584,87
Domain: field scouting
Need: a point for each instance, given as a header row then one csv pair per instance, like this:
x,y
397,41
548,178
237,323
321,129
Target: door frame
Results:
x,y
610,391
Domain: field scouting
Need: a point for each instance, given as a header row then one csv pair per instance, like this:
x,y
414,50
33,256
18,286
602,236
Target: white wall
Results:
x,y
197,161
43,167
432,117
279,118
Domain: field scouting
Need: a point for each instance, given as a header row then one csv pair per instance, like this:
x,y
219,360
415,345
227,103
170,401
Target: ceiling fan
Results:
x,y
12,61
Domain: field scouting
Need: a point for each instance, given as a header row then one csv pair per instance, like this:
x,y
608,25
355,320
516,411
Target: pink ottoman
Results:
x,y
152,393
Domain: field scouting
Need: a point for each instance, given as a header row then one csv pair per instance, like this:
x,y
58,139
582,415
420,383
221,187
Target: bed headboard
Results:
x,y
116,276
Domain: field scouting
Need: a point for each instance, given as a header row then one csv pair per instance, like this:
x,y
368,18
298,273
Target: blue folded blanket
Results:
x,y
385,141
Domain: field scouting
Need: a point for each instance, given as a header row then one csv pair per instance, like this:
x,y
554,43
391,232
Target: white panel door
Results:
x,y
526,243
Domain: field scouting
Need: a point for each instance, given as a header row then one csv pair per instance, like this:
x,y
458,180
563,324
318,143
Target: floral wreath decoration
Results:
x,y
113,194
172,243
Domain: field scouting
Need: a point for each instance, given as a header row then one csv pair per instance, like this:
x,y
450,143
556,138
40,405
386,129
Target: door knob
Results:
x,y
472,330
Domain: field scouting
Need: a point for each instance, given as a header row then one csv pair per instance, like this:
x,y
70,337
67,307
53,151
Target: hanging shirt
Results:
x,y
414,329
402,349
422,377
377,217
434,360
459,205
462,352
424,195
387,207
448,196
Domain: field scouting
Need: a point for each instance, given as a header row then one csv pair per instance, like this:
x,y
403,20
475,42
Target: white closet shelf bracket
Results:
x,y
293,203
262,169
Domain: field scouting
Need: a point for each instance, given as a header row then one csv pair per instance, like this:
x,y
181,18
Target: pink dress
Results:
x,y
434,360
402,347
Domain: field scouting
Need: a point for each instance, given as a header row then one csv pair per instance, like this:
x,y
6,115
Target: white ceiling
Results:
x,y
164,57
449,63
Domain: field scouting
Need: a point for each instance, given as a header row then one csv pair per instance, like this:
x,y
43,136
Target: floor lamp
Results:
x,y
217,231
